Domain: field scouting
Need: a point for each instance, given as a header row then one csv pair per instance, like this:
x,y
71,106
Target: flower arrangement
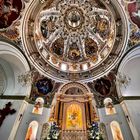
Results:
x,y
94,133
53,132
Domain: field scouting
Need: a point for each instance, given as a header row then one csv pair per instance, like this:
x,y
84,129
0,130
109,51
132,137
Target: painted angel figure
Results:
x,y
6,9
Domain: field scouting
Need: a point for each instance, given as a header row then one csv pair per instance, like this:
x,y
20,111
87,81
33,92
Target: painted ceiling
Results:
x,y
70,40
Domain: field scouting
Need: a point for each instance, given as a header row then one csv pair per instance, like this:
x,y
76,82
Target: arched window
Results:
x,y
32,131
109,108
116,131
38,107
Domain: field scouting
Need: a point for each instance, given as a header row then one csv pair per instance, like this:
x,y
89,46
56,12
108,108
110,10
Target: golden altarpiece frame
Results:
x,y
73,110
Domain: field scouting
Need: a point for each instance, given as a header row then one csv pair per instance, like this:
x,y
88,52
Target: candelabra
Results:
x,y
26,78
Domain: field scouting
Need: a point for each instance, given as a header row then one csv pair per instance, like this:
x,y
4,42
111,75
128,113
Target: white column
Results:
x,y
18,120
130,123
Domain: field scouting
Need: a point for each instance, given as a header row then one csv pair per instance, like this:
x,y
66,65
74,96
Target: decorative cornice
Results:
x,y
10,97
129,98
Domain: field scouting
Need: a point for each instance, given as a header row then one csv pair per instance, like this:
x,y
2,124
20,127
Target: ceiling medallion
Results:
x,y
86,38
73,18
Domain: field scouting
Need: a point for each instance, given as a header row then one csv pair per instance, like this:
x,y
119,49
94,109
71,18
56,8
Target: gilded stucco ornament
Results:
x,y
72,40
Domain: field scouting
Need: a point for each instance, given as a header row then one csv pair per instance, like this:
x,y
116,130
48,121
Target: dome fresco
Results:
x,y
69,40
9,12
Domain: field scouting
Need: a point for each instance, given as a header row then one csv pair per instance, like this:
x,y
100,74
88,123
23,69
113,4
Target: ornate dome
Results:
x,y
72,40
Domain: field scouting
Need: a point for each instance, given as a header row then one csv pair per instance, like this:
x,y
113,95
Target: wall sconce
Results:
x,y
122,79
26,78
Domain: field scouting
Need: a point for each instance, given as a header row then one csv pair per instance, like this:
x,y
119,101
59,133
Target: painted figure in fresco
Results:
x,y
32,131
109,106
103,86
9,11
102,26
48,27
37,106
134,12
58,47
29,133
117,134
44,86
74,117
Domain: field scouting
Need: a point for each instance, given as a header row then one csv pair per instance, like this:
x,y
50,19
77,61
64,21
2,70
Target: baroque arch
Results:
x,y
73,110
84,88
13,63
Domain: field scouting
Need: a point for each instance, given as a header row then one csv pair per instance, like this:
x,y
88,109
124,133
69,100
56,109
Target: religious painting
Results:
x,y
9,12
38,107
58,47
32,131
48,26
102,26
116,131
103,86
44,86
91,49
134,12
74,117
109,108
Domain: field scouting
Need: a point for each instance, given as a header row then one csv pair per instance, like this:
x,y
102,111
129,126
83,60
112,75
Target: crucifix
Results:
x,y
6,111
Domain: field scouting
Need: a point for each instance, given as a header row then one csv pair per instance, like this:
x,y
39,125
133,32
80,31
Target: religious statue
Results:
x,y
48,27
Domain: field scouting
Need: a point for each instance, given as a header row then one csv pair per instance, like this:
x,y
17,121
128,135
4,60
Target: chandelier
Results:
x,y
122,79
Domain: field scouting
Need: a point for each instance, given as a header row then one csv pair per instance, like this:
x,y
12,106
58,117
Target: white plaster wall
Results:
x,y
13,69
120,118
130,66
132,69
8,123
10,79
28,117
133,110
14,63
12,72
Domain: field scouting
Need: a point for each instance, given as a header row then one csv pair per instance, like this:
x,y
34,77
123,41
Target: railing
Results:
x,y
74,135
